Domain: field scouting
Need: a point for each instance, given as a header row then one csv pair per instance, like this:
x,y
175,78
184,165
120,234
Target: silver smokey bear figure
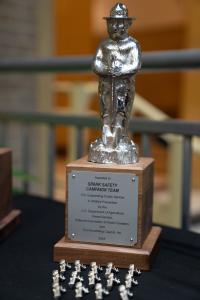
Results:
x,y
117,60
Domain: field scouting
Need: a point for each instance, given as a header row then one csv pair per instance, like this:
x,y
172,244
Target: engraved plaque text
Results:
x,y
103,207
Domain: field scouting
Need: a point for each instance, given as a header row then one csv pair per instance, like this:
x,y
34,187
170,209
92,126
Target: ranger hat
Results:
x,y
119,11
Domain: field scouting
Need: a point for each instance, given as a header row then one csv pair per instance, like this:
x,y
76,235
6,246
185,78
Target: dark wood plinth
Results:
x,y
9,218
8,223
121,256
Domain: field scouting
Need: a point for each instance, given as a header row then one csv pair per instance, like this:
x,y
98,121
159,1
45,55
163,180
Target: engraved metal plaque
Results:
x,y
103,207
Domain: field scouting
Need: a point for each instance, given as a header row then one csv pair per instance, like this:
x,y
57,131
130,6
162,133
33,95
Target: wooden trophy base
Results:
x,y
122,257
9,223
135,202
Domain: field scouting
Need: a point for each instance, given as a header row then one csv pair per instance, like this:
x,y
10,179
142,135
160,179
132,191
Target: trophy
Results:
x,y
109,193
9,217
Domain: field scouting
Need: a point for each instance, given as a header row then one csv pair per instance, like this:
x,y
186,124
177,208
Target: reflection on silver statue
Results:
x,y
116,62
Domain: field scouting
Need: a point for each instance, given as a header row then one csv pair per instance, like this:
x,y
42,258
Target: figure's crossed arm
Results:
x,y
130,66
99,66
134,64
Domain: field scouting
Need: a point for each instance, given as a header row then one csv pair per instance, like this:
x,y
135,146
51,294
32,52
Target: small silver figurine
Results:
x,y
134,271
111,280
129,280
124,293
55,277
80,290
78,266
92,278
56,283
110,268
95,268
99,291
64,265
73,278
117,61
58,289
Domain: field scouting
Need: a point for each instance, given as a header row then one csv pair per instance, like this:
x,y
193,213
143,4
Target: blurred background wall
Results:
x,y
26,30
17,39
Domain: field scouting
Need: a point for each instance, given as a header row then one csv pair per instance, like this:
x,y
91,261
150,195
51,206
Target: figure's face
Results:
x,y
118,28
55,272
77,262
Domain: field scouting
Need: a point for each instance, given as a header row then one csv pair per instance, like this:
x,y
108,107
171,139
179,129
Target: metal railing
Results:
x,y
154,61
160,61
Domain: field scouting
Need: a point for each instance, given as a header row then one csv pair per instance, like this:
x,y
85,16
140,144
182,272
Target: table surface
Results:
x,y
26,259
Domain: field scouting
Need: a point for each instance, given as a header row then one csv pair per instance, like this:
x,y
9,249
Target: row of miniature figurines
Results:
x,y
93,280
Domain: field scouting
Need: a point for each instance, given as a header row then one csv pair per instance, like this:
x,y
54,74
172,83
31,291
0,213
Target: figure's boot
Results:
x,y
107,136
117,135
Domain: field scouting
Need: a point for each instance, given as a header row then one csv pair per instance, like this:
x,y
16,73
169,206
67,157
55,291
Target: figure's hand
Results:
x,y
116,68
115,72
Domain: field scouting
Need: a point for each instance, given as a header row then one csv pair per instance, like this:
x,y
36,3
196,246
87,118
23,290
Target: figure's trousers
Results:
x,y
116,96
